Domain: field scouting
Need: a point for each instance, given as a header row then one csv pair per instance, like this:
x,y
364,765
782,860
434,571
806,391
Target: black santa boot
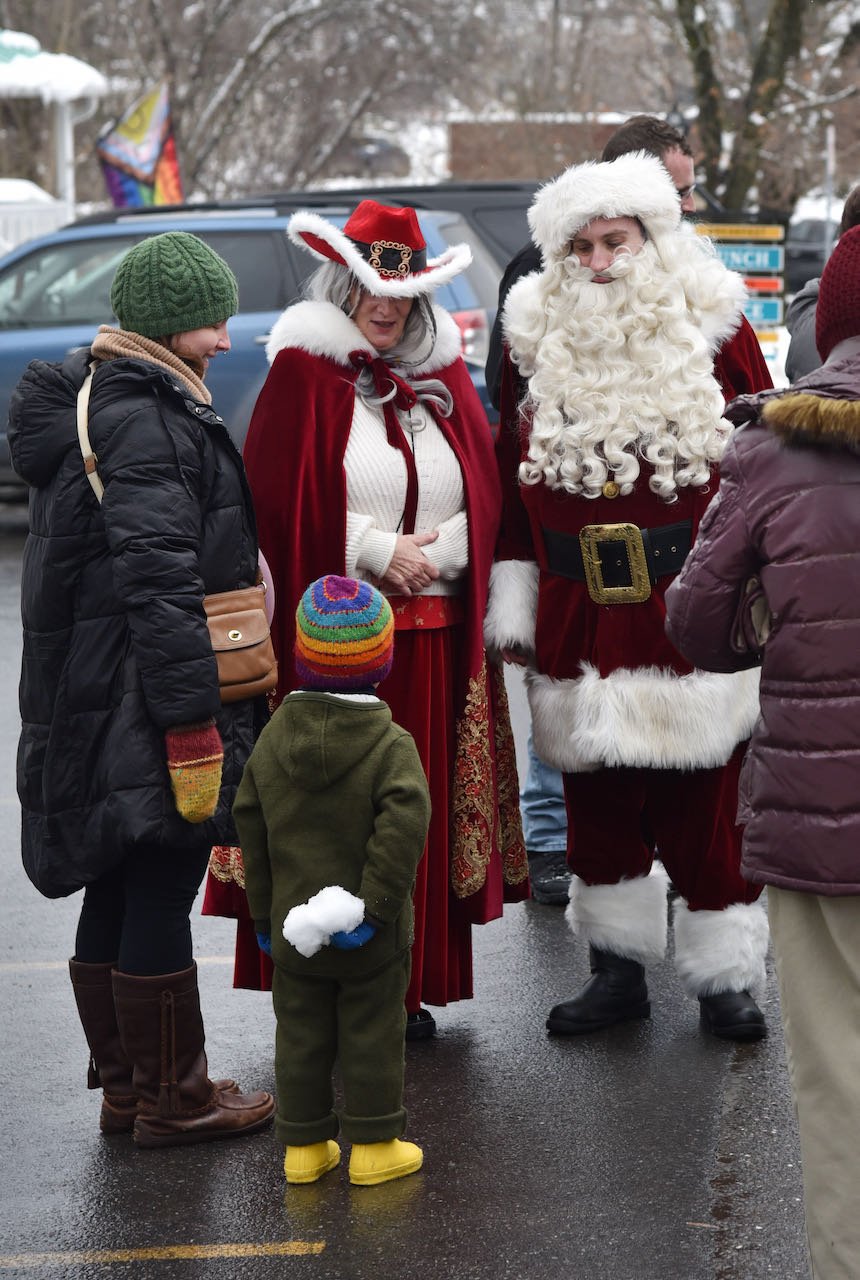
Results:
x,y
616,992
719,955
619,921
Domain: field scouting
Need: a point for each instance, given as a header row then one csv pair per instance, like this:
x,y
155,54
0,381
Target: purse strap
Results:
x,y
90,459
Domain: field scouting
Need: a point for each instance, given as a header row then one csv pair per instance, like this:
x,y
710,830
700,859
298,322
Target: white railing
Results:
x,y
20,222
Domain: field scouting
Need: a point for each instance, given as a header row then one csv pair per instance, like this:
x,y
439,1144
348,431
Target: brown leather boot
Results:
x,y
109,1067
162,1033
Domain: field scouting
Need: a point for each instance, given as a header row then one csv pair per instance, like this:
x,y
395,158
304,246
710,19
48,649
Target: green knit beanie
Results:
x,y
172,283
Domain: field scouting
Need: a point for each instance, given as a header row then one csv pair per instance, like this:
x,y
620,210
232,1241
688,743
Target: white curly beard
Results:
x,y
617,373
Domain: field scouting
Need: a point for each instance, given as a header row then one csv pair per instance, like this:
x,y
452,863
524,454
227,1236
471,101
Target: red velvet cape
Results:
x,y
294,455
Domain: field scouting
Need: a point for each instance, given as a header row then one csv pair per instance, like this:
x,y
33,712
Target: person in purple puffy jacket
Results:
x,y
774,578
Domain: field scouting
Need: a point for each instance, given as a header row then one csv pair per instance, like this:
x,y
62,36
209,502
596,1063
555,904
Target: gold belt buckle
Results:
x,y
640,581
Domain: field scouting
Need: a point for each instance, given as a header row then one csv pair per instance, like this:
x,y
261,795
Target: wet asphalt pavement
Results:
x,y
645,1152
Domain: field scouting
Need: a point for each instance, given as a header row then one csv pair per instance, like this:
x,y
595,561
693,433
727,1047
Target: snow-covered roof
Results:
x,y
22,191
26,71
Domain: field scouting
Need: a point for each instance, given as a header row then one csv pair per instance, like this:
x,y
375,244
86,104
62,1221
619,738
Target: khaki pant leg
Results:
x,y
816,944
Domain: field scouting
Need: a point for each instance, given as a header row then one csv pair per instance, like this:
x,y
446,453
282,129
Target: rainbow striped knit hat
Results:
x,y
344,635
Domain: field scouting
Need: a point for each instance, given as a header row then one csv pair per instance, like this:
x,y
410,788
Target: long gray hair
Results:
x,y
336,284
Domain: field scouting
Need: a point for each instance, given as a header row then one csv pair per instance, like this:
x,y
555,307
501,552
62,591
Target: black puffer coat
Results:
x,y
116,648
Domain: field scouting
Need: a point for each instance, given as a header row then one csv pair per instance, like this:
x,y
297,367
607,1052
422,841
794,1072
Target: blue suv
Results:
x,y
55,291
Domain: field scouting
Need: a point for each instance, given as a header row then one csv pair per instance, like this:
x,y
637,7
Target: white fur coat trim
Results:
x,y
633,186
641,717
718,951
512,606
628,919
439,270
310,925
322,329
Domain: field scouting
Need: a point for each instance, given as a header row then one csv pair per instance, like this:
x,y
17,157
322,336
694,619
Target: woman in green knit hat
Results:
x,y
128,762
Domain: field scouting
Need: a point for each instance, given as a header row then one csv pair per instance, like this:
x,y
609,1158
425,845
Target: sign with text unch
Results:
x,y
751,258
755,251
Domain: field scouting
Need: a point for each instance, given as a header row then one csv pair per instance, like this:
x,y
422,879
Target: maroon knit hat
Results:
x,y
837,313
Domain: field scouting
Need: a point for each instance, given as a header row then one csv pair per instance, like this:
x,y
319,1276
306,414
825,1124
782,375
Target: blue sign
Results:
x,y
751,259
762,312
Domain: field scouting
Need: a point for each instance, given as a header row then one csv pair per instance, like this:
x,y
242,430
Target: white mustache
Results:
x,y
619,267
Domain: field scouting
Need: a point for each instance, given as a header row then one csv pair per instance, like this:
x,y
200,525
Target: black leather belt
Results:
x,y
618,562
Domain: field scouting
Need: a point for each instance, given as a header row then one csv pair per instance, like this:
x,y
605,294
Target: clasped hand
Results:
x,y
410,571
354,939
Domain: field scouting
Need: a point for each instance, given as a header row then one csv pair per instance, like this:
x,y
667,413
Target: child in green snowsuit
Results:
x,y
332,814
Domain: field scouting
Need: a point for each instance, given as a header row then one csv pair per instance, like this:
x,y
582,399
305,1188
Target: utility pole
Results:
x,y
829,183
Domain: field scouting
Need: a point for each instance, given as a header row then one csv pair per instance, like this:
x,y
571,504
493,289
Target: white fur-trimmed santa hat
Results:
x,y
635,185
383,247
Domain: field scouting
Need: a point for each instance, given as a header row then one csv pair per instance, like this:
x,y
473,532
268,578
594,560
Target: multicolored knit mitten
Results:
x,y
195,754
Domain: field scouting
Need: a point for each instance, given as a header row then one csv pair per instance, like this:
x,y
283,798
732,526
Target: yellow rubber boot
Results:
x,y
308,1163
375,1162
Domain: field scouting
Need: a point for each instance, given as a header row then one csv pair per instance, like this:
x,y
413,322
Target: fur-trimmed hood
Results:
x,y
322,329
821,410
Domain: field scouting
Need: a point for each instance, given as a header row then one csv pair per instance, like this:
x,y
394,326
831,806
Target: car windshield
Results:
x,y
65,284
69,283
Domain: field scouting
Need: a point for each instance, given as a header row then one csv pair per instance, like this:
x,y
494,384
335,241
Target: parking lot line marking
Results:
x,y
164,1253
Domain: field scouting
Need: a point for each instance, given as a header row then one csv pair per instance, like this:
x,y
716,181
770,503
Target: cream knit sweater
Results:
x,y
376,495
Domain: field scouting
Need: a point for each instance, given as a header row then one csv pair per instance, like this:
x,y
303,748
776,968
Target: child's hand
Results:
x,y
264,942
354,939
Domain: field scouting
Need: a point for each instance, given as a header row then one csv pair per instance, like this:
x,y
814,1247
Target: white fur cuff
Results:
x,y
717,951
512,606
643,717
628,919
310,925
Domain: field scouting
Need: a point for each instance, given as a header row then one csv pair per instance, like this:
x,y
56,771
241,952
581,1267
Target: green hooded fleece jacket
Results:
x,y
333,794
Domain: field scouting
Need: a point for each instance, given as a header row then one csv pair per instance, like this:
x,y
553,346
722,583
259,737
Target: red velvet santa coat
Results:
x,y
294,455
606,688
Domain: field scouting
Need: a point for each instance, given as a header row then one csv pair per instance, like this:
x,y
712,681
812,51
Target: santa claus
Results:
x,y
608,461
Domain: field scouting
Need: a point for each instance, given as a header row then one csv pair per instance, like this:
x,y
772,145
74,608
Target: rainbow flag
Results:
x,y
138,154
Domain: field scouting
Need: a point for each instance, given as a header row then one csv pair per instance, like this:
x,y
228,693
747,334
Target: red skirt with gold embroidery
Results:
x,y
474,860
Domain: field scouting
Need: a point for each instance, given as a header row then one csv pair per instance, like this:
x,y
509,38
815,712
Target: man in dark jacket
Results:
x,y
802,356
128,763
773,578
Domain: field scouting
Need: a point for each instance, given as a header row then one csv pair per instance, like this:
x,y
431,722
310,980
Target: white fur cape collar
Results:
x,y
322,329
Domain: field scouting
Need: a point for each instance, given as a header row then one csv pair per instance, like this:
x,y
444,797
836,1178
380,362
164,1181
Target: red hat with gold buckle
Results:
x,y
383,247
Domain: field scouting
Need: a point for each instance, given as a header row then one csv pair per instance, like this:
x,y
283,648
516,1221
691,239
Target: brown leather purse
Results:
x,y
237,621
241,642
